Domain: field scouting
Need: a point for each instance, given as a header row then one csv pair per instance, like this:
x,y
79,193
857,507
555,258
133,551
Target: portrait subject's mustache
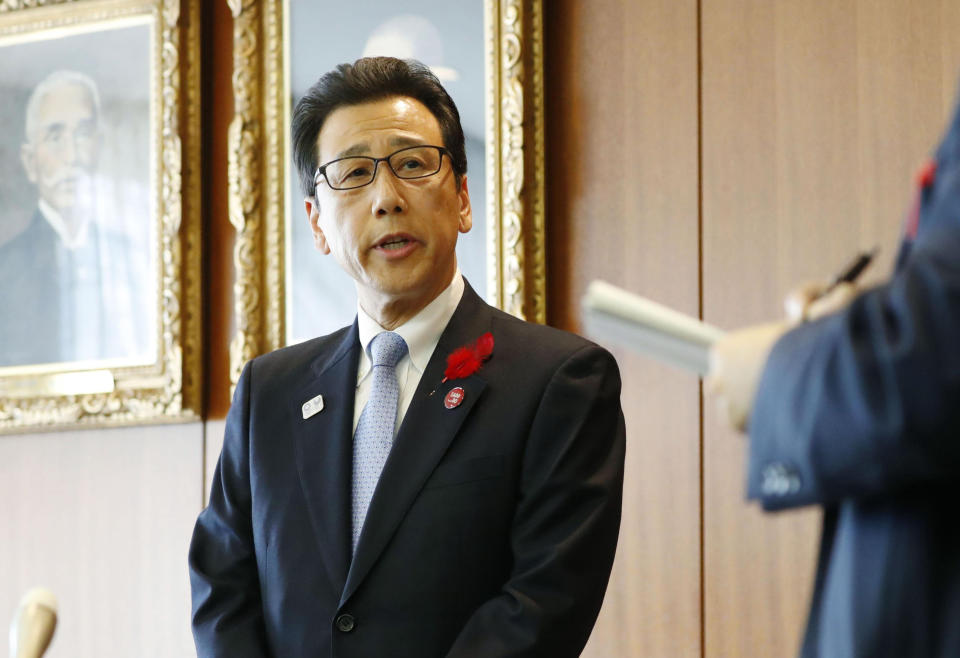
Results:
x,y
73,176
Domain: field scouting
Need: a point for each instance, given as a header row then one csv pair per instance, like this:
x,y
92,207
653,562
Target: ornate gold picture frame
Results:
x,y
260,197
100,219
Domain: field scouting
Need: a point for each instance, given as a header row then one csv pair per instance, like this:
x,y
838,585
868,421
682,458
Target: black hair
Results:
x,y
366,80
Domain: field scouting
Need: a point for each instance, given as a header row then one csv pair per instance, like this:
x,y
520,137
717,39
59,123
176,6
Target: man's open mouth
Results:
x,y
394,242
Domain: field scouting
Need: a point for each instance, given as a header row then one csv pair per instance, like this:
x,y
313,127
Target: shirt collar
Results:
x,y
421,332
71,241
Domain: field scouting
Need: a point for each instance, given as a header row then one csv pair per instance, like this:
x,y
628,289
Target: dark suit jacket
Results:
x,y
860,412
30,296
33,296
492,530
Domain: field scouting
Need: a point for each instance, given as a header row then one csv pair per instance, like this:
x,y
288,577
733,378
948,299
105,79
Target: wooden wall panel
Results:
x,y
815,115
103,519
219,234
949,19
755,579
622,206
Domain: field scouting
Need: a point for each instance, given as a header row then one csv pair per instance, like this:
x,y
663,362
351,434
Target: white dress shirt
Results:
x,y
421,333
79,264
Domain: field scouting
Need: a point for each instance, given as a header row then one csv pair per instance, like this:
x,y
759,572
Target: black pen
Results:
x,y
851,272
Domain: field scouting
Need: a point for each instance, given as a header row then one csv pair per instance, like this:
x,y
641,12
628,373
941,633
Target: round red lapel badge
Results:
x,y
454,397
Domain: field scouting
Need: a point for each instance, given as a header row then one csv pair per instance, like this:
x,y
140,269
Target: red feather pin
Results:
x,y
464,361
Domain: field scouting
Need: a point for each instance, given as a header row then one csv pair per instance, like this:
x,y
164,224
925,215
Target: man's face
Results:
x,y
396,238
61,152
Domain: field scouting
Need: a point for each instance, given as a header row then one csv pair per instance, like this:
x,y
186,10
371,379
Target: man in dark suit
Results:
x,y
67,287
858,410
491,527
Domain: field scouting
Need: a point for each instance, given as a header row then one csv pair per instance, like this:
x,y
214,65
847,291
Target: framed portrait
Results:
x,y
486,53
99,213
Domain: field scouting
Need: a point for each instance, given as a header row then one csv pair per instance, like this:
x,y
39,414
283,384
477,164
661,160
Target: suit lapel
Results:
x,y
427,430
325,453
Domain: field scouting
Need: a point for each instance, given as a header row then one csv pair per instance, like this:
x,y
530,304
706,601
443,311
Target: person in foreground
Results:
x,y
858,410
370,500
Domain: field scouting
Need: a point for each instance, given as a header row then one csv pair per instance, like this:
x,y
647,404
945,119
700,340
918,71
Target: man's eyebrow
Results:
x,y
54,127
401,140
361,148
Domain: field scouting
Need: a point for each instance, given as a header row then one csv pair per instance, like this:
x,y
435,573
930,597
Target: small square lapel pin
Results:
x,y
312,407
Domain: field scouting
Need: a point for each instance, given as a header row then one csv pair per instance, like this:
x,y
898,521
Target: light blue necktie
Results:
x,y
374,436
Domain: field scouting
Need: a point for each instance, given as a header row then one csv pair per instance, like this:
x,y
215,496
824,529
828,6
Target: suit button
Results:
x,y
779,480
346,623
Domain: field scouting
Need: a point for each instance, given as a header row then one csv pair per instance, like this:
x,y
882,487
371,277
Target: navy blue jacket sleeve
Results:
x,y
866,402
227,613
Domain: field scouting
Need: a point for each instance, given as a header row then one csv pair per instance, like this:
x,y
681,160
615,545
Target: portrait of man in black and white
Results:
x,y
71,284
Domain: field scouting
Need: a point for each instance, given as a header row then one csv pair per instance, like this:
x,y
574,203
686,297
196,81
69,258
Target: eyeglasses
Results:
x,y
357,171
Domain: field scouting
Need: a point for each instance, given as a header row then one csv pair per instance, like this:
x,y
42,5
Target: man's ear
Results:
x,y
29,160
313,216
466,213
